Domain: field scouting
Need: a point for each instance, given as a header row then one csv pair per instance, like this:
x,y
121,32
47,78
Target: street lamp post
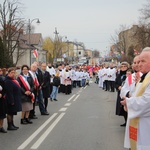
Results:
x,y
68,50
55,50
29,27
61,47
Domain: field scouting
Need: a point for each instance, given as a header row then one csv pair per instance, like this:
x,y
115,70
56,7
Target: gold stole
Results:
x,y
133,127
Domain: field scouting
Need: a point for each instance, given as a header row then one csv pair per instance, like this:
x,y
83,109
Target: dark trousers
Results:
x,y
32,112
63,88
74,83
125,115
39,97
106,85
60,88
46,103
51,88
79,83
40,101
67,89
112,86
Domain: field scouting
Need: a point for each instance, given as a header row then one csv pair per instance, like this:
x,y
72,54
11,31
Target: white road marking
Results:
x,y
85,87
67,104
47,132
24,144
71,98
76,98
63,109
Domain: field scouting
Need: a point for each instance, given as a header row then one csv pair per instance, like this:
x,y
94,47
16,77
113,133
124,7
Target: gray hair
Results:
x,y
146,49
34,65
125,63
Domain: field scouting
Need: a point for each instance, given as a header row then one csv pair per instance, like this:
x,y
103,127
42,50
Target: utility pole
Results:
x,y
56,44
77,54
61,46
29,28
68,49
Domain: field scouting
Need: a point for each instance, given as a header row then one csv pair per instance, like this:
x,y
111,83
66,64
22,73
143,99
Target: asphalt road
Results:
x,y
84,120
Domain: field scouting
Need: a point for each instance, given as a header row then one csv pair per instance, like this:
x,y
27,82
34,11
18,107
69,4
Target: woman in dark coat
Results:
x,y
3,104
120,79
45,85
13,97
27,96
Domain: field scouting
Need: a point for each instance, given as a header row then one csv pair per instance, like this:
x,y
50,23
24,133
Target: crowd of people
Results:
x,y
112,78
21,90
132,83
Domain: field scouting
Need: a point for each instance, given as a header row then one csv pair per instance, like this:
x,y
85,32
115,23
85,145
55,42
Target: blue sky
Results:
x,y
89,21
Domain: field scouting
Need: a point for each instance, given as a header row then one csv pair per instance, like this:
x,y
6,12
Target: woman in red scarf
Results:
x,y
13,97
27,96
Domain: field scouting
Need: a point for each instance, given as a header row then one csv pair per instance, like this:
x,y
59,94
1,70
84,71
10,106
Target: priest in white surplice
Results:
x,y
100,84
138,107
128,89
129,85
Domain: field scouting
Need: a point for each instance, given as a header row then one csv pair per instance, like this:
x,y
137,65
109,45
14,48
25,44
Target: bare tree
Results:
x,y
142,33
59,47
119,39
11,24
96,54
145,13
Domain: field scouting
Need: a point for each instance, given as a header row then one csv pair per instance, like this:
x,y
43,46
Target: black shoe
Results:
x,y
23,121
11,127
51,99
55,100
33,117
28,121
3,130
123,125
36,104
14,126
44,113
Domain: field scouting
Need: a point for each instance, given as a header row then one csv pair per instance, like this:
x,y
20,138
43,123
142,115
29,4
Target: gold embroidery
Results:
x,y
133,128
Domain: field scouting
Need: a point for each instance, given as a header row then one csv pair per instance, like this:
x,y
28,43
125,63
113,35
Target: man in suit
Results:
x,y
45,85
40,78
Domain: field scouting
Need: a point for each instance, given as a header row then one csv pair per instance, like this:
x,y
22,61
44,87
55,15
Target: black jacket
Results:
x,y
24,97
119,81
39,75
3,104
13,95
46,84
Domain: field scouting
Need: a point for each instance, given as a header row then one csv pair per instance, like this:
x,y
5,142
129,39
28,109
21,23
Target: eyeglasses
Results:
x,y
123,66
12,72
24,69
